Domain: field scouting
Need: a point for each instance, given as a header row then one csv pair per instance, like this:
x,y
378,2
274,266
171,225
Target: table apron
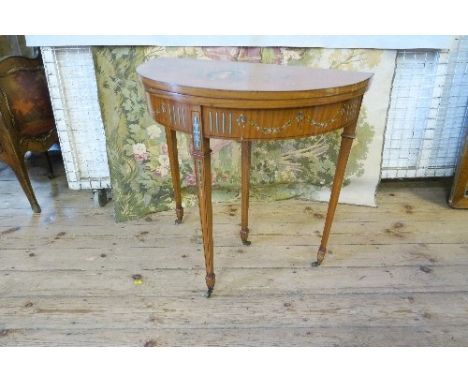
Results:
x,y
256,124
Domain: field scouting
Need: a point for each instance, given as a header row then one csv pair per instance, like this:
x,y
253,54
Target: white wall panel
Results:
x,y
427,113
73,90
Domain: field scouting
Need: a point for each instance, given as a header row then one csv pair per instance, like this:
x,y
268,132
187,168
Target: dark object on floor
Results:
x,y
26,118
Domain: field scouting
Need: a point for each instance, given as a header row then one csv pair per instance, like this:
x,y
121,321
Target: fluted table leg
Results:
x,y
202,159
346,142
171,140
245,184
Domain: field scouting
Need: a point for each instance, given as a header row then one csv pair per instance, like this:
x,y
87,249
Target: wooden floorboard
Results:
x,y
396,275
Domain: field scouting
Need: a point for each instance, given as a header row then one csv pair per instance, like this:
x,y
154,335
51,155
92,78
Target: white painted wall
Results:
x,y
372,42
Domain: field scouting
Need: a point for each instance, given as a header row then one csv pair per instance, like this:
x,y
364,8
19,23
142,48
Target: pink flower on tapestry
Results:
x,y
250,54
233,54
139,152
190,179
161,171
278,55
220,53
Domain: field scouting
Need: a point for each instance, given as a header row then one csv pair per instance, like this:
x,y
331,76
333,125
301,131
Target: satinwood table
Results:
x,y
248,102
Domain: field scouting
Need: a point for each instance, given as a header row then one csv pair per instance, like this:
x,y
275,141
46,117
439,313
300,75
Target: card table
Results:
x,y
248,102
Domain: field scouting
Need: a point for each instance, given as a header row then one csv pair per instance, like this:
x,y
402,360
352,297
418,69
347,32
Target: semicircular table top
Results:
x,y
247,80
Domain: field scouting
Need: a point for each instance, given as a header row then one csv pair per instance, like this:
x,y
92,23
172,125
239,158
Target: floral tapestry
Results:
x,y
301,168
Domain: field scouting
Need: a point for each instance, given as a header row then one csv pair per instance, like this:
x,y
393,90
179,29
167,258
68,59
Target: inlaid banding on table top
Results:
x,y
277,123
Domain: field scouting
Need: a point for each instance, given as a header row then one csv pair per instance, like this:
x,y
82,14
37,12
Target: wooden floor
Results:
x,y
396,274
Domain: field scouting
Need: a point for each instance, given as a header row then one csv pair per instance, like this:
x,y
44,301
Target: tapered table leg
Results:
x,y
202,159
171,140
346,142
245,183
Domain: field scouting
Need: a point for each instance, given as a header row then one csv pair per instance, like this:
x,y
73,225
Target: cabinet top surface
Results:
x,y
181,75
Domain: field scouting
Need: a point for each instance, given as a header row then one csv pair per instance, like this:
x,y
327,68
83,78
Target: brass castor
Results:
x,y
210,282
209,292
36,208
180,215
244,234
320,256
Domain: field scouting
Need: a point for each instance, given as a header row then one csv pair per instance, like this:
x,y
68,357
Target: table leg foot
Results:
x,y
210,283
180,215
320,256
209,292
244,234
